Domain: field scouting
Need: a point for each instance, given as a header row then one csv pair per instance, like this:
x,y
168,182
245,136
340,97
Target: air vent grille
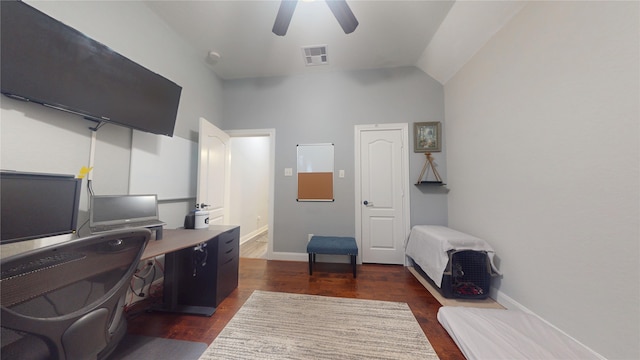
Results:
x,y
315,55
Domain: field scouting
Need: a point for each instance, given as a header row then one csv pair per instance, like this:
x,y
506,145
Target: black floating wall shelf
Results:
x,y
430,183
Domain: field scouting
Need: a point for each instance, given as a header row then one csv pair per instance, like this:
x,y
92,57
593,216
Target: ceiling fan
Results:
x,y
339,8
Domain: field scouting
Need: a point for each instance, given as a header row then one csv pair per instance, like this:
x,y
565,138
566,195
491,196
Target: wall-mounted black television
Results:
x,y
36,205
50,63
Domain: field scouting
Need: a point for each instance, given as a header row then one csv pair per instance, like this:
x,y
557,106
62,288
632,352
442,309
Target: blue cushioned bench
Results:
x,y
332,245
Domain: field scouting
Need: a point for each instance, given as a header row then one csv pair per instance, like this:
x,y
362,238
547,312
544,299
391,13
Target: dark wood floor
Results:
x,y
376,282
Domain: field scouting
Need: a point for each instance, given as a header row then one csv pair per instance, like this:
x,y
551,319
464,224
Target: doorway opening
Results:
x,y
251,189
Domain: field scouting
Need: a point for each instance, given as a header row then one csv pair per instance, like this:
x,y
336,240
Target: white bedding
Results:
x,y
428,246
495,334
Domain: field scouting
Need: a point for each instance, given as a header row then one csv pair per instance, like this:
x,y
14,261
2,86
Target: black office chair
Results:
x,y
66,301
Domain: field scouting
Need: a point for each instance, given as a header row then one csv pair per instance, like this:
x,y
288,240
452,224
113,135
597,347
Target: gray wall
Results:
x,y
543,163
323,108
38,139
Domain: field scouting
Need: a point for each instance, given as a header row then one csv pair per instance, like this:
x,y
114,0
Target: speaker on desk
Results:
x,y
190,221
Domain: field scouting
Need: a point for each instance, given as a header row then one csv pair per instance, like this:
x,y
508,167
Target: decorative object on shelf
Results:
x,y
427,137
428,164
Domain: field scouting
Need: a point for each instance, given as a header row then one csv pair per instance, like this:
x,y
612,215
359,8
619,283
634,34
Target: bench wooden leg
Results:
x,y
312,259
353,263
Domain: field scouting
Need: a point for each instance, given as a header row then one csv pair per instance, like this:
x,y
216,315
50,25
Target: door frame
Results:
x,y
406,208
271,133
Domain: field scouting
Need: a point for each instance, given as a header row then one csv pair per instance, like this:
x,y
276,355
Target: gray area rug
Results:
x,y
134,347
273,325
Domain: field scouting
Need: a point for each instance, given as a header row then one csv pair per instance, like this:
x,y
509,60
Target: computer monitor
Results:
x,y
36,205
122,209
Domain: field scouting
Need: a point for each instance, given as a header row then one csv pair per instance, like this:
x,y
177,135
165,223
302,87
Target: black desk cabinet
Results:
x,y
228,260
198,278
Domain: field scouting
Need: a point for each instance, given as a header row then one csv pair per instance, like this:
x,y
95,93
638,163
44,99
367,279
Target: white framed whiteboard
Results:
x,y
315,172
163,165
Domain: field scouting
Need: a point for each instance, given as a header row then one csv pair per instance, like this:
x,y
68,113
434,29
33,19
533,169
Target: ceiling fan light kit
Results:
x,y
339,8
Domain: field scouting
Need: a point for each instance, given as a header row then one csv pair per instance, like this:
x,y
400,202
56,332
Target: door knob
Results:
x,y
366,203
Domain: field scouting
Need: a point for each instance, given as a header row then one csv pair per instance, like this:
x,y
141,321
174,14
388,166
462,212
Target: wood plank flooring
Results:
x,y
255,248
376,282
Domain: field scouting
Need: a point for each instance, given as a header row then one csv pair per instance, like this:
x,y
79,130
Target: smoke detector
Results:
x,y
212,58
315,55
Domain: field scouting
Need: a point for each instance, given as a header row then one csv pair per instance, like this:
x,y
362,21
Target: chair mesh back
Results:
x,y
65,281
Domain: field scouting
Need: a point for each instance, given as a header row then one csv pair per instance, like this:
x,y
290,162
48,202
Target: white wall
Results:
x,y
38,139
249,184
543,161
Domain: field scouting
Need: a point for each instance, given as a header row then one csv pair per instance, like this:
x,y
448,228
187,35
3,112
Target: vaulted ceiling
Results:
x,y
437,36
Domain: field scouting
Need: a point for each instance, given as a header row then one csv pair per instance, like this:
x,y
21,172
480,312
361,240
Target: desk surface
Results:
x,y
177,239
172,240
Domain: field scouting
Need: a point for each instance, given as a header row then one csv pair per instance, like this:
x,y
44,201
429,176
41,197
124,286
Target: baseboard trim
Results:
x,y
510,304
254,234
289,256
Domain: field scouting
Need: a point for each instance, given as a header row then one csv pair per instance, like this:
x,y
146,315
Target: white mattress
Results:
x,y
428,246
495,334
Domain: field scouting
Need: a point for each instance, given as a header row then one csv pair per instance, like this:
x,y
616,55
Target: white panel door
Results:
x,y
383,206
213,172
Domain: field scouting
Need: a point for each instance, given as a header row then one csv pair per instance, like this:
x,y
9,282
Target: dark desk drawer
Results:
x,y
227,241
226,256
227,279
228,246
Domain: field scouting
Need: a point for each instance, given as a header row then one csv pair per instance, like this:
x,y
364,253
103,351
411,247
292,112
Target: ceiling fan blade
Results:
x,y
343,14
283,18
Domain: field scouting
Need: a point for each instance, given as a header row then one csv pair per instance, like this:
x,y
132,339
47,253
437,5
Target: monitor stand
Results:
x,y
158,230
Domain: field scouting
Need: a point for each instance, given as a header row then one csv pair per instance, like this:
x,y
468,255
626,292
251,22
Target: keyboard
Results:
x,y
139,224
41,263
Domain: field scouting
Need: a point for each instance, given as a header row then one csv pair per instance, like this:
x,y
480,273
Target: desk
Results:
x,y
201,267
178,239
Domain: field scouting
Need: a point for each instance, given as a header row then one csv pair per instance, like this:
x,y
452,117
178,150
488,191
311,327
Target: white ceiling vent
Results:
x,y
315,55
